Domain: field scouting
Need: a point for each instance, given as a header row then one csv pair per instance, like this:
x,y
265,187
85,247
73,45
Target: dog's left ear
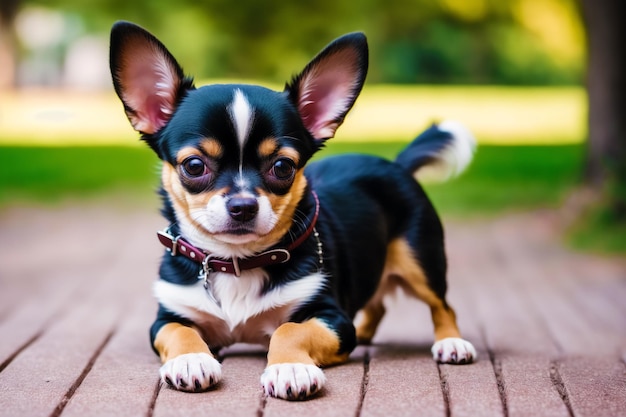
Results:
x,y
146,77
328,86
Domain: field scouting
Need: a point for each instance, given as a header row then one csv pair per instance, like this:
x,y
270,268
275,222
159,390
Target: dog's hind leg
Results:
x,y
369,317
402,265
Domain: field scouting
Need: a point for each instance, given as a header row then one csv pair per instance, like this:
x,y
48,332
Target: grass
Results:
x,y
47,174
501,178
597,231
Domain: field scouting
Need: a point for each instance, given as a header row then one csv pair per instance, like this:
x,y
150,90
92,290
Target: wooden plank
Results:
x,y
28,321
465,396
546,273
124,379
238,394
33,269
402,378
582,322
530,389
38,380
47,373
596,387
340,397
402,382
597,289
520,346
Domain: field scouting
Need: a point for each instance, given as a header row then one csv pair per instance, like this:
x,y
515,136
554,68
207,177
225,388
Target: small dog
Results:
x,y
263,248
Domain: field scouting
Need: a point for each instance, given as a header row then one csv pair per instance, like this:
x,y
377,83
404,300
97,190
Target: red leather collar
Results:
x,y
177,245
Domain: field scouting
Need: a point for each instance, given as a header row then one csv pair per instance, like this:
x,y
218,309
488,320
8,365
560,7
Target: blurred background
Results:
x,y
516,72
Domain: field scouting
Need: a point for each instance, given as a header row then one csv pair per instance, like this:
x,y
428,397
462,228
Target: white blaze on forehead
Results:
x,y
242,115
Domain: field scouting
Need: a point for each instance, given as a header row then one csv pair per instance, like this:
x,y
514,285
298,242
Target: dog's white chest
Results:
x,y
235,309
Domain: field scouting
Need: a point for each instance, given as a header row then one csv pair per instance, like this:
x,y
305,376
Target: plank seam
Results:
x,y
445,389
559,385
72,390
364,382
20,349
499,374
51,318
260,412
153,400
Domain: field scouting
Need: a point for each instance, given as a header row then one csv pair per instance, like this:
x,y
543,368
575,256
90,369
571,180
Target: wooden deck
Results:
x,y
76,304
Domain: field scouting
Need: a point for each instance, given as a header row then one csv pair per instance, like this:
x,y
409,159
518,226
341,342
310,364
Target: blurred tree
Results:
x,y
8,53
606,82
519,42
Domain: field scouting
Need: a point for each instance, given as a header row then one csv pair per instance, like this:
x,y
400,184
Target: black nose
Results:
x,y
242,209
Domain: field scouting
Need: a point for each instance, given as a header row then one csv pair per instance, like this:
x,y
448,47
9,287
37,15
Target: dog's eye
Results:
x,y
283,169
194,167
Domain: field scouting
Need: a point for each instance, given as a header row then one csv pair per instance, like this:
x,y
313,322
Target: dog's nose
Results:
x,y
242,209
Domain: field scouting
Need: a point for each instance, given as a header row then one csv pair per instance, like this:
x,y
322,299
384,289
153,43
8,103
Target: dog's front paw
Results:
x,y
292,381
191,372
453,350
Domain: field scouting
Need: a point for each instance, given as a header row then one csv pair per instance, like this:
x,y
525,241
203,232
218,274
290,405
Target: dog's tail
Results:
x,y
441,152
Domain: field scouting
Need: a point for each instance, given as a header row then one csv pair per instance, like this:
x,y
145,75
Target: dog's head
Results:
x,y
233,155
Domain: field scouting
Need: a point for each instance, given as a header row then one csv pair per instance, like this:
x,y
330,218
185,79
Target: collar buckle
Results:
x,y
167,234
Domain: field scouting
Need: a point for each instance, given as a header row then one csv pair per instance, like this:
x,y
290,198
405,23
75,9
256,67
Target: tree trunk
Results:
x,y
8,48
606,85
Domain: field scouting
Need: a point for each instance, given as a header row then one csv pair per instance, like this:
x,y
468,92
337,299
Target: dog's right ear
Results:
x,y
146,77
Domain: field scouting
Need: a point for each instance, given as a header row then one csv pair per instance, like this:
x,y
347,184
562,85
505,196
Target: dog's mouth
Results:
x,y
240,230
237,236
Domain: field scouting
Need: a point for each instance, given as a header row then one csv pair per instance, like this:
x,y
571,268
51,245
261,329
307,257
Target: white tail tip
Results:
x,y
454,158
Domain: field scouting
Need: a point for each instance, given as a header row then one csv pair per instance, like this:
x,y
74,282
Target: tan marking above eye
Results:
x,y
267,147
185,153
212,147
209,147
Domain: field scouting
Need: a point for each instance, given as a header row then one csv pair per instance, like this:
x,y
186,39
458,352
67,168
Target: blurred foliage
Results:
x,y
514,42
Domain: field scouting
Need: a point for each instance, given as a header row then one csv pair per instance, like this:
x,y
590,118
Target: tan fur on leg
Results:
x,y
296,351
188,364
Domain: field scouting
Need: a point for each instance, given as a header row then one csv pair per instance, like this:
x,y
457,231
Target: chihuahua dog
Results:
x,y
265,248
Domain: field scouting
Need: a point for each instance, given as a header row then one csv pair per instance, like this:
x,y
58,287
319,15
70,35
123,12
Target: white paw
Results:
x,y
191,372
453,350
292,381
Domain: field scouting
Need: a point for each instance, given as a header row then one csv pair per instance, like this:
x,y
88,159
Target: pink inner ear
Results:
x,y
327,92
149,88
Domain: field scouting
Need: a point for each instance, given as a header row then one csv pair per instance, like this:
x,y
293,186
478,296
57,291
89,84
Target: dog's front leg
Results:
x,y
296,352
188,364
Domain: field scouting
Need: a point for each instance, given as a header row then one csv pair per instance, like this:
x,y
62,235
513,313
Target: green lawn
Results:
x,y
501,178
43,174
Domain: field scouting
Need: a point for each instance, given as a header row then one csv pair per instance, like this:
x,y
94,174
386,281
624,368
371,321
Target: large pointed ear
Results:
x,y
328,86
146,77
